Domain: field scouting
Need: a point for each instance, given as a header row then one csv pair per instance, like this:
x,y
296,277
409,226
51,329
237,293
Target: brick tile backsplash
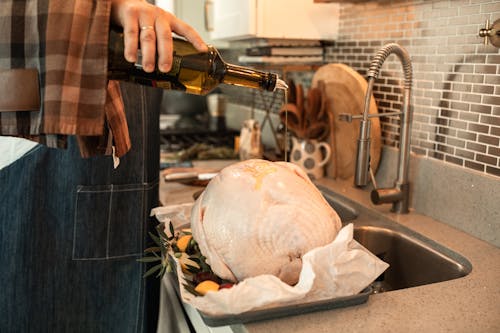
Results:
x,y
476,147
469,136
493,171
474,165
494,151
490,140
480,108
456,79
453,72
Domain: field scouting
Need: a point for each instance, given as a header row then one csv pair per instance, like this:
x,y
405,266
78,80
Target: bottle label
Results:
x,y
163,84
176,66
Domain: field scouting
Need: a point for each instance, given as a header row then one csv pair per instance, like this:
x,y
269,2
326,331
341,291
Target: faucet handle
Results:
x,y
346,117
350,117
491,33
485,32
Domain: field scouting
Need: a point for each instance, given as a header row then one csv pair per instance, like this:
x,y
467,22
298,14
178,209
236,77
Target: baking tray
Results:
x,y
286,311
280,311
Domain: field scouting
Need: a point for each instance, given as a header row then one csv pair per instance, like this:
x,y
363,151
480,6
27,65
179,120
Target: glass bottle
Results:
x,y
192,71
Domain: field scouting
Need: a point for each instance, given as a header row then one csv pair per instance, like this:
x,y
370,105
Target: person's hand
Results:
x,y
152,27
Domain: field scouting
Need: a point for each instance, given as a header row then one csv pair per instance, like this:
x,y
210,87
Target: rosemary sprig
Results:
x,y
160,251
166,245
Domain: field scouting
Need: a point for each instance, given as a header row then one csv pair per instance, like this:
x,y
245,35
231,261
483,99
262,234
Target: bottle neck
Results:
x,y
247,77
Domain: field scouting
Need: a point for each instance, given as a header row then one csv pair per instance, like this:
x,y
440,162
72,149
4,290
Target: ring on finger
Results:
x,y
147,27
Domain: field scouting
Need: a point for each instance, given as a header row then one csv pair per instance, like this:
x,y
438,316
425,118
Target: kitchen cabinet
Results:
x,y
196,13
340,1
276,19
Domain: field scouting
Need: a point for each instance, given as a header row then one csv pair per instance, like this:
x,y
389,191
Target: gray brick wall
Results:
x,y
456,87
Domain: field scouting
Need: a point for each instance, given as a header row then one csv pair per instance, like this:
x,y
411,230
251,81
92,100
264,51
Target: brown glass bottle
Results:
x,y
192,71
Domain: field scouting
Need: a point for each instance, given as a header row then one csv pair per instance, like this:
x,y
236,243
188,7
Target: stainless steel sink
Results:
x,y
414,260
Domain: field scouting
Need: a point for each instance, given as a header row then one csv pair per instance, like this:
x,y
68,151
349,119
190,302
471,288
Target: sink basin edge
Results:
x,y
414,259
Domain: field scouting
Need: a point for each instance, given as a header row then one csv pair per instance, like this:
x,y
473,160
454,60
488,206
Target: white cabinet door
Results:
x,y
297,19
196,13
274,19
234,19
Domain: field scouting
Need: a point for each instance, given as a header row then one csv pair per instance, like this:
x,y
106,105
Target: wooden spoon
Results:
x,y
292,117
313,106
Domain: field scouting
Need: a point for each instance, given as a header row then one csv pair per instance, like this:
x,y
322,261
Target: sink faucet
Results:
x,y
399,194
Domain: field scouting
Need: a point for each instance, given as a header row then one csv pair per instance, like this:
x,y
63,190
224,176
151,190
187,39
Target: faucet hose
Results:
x,y
382,55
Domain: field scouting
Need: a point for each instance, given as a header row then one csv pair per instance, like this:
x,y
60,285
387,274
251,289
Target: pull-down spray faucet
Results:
x,y
399,194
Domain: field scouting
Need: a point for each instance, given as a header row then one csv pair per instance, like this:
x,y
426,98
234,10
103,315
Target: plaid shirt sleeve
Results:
x,y
67,41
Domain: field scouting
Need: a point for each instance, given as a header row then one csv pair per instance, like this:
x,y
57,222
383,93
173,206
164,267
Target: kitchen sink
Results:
x,y
414,259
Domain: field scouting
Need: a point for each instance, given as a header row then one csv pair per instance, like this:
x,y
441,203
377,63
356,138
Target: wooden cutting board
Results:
x,y
345,91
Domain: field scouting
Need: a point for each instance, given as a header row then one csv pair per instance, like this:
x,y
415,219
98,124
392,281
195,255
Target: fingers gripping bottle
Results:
x,y
192,71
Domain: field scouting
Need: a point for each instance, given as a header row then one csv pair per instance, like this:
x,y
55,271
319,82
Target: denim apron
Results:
x,y
71,230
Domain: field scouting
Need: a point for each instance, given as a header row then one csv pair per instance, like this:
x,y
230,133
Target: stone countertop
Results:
x,y
468,304
174,193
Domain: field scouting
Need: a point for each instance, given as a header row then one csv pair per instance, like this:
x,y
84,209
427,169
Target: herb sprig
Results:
x,y
160,251
193,263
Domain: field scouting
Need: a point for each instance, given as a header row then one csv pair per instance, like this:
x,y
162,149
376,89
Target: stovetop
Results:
x,y
177,140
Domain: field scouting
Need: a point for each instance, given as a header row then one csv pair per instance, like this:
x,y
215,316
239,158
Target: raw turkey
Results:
x,y
259,217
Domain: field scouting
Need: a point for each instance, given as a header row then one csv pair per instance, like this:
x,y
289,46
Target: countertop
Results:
x,y
468,304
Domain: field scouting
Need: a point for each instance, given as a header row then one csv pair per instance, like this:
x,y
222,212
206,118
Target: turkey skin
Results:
x,y
259,217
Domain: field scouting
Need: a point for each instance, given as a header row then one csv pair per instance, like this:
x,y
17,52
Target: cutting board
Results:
x,y
345,91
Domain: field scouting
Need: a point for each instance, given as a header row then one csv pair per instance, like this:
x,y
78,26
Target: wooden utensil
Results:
x,y
292,96
292,117
299,101
322,114
293,114
313,105
317,125
317,131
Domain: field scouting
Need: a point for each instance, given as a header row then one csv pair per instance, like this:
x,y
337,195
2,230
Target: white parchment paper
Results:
x,y
341,268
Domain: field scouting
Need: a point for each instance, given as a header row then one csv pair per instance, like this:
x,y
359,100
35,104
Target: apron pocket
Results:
x,y
109,221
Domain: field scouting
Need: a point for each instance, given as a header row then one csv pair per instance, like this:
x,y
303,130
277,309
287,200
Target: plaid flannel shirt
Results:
x,y
67,42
